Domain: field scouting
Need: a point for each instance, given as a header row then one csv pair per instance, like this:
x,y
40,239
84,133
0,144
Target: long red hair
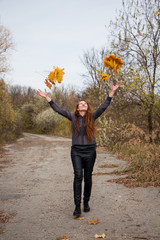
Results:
x,y
88,122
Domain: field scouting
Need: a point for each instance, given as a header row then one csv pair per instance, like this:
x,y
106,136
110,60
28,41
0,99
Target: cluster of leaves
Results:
x,y
54,76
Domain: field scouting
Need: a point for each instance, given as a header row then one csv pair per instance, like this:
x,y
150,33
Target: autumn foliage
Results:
x,y
114,65
8,117
54,76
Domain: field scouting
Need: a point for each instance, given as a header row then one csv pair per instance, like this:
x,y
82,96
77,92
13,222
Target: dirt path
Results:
x,y
36,193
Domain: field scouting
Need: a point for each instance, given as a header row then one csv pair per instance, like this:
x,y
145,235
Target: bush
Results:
x,y
27,115
47,120
109,132
63,128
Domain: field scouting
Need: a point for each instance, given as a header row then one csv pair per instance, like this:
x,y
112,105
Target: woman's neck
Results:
x,y
82,113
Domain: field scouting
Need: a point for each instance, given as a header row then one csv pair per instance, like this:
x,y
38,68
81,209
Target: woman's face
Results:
x,y
82,106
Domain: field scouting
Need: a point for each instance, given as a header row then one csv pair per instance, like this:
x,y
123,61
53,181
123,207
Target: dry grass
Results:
x,y
143,163
143,157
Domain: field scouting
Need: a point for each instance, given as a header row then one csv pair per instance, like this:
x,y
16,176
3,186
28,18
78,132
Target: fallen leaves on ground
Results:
x,y
4,218
63,238
100,236
79,218
93,222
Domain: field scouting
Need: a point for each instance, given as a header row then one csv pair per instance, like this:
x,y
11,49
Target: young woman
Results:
x,y
83,149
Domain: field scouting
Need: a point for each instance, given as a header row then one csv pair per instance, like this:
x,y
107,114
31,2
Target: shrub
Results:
x,y
47,120
27,115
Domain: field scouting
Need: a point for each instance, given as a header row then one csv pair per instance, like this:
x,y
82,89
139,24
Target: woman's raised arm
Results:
x,y
55,106
97,113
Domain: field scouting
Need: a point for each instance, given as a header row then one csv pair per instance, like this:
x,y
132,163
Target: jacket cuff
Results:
x,y
109,98
51,102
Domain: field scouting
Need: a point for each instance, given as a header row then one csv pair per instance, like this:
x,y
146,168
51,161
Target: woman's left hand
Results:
x,y
114,89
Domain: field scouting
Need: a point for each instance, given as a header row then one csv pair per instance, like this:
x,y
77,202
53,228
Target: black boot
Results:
x,y
86,207
77,211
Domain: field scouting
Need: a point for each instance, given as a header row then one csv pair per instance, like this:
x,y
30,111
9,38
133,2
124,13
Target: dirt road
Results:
x,y
36,196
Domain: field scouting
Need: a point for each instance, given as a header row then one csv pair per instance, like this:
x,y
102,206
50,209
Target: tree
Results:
x,y
136,33
7,114
21,95
6,44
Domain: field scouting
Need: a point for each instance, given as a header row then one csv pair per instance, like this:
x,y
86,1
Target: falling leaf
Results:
x,y
113,63
104,76
49,85
79,218
156,13
100,236
93,222
63,238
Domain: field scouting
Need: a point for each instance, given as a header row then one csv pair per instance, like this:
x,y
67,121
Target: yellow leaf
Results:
x,y
79,218
63,238
49,85
156,13
93,222
104,76
100,236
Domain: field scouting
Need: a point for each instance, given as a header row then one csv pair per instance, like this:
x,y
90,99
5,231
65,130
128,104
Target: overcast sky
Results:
x,y
51,33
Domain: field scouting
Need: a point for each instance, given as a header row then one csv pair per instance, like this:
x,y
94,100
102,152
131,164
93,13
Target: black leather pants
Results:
x,y
83,159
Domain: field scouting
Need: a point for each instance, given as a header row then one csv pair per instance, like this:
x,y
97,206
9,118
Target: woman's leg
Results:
x,y
88,164
78,176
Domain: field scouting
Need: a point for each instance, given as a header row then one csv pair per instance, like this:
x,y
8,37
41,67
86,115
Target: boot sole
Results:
x,y
77,214
86,210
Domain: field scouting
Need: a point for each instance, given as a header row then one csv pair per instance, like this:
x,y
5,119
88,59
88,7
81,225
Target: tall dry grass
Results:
x,y
142,156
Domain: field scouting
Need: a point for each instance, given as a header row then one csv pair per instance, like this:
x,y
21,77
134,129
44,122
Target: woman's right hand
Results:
x,y
42,94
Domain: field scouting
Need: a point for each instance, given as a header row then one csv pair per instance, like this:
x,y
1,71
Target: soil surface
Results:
x,y
36,196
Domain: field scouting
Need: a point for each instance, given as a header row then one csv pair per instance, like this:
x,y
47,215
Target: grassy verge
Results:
x,y
143,167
